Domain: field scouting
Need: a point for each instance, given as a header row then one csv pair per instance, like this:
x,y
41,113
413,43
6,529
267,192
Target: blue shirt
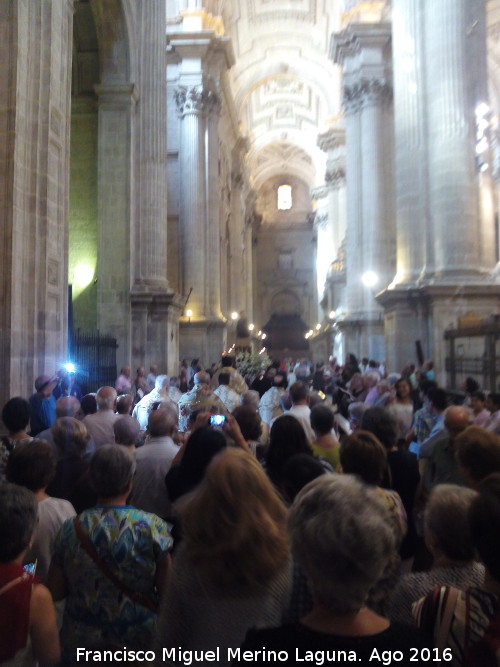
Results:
x,y
42,413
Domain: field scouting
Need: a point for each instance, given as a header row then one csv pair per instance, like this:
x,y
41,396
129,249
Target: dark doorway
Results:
x,y
286,336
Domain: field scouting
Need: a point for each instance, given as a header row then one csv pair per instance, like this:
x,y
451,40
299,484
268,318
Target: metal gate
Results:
x,y
94,356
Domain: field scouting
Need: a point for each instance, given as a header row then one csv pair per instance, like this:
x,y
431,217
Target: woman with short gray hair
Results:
x,y
448,537
110,563
342,538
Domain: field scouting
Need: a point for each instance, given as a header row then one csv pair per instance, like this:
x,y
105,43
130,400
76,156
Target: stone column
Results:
x,y
248,268
377,184
332,204
35,88
363,50
150,178
154,306
116,104
455,34
200,55
445,226
354,235
192,104
414,252
212,267
235,285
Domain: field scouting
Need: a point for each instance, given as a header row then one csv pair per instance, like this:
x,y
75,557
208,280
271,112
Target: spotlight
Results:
x,y
369,278
70,367
234,315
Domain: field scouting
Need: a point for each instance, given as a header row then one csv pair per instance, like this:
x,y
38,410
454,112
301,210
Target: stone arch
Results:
x,y
112,21
285,302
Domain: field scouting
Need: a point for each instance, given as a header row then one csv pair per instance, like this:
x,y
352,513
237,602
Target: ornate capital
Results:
x,y
335,173
320,192
331,139
200,100
368,92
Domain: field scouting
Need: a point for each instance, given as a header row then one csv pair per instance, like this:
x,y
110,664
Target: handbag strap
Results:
x,y
14,582
89,547
450,602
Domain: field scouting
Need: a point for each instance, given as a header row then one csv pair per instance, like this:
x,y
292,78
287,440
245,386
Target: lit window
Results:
x,y
284,197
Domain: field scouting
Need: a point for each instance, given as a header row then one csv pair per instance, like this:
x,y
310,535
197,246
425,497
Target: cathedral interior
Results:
x,y
330,168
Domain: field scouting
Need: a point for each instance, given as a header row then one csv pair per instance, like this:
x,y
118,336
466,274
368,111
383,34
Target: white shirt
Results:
x,y
154,459
52,513
303,414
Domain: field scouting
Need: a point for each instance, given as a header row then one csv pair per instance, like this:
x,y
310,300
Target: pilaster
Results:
x,y
116,110
35,86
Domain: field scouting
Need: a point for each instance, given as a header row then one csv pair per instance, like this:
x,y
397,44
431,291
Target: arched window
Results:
x,y
284,197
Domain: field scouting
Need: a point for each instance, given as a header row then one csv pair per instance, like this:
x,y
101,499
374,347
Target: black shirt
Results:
x,y
302,646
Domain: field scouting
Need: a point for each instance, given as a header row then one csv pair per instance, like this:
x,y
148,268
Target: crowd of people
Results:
x,y
324,509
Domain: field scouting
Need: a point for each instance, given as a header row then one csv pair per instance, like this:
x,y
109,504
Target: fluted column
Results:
x,y
248,269
150,266
354,235
454,32
212,267
192,103
333,192
376,182
414,252
363,50
35,89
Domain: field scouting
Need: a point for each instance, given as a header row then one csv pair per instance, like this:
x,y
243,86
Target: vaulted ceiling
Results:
x,y
285,87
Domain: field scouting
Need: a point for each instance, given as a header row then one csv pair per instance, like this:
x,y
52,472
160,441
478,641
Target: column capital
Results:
x,y
367,92
333,138
335,177
320,192
198,100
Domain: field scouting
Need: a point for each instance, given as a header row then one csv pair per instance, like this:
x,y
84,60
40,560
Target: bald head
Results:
x,y
106,397
67,406
202,377
456,419
161,422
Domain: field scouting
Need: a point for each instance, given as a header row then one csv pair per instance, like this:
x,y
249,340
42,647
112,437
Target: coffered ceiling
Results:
x,y
286,90
285,87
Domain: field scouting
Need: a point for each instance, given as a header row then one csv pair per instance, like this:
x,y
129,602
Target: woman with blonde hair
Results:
x,y
232,571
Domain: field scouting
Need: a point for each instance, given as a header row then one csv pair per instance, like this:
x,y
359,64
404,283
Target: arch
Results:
x,y
252,79
112,21
285,302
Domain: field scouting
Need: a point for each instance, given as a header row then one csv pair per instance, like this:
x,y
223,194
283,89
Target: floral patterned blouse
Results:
x,y
131,542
